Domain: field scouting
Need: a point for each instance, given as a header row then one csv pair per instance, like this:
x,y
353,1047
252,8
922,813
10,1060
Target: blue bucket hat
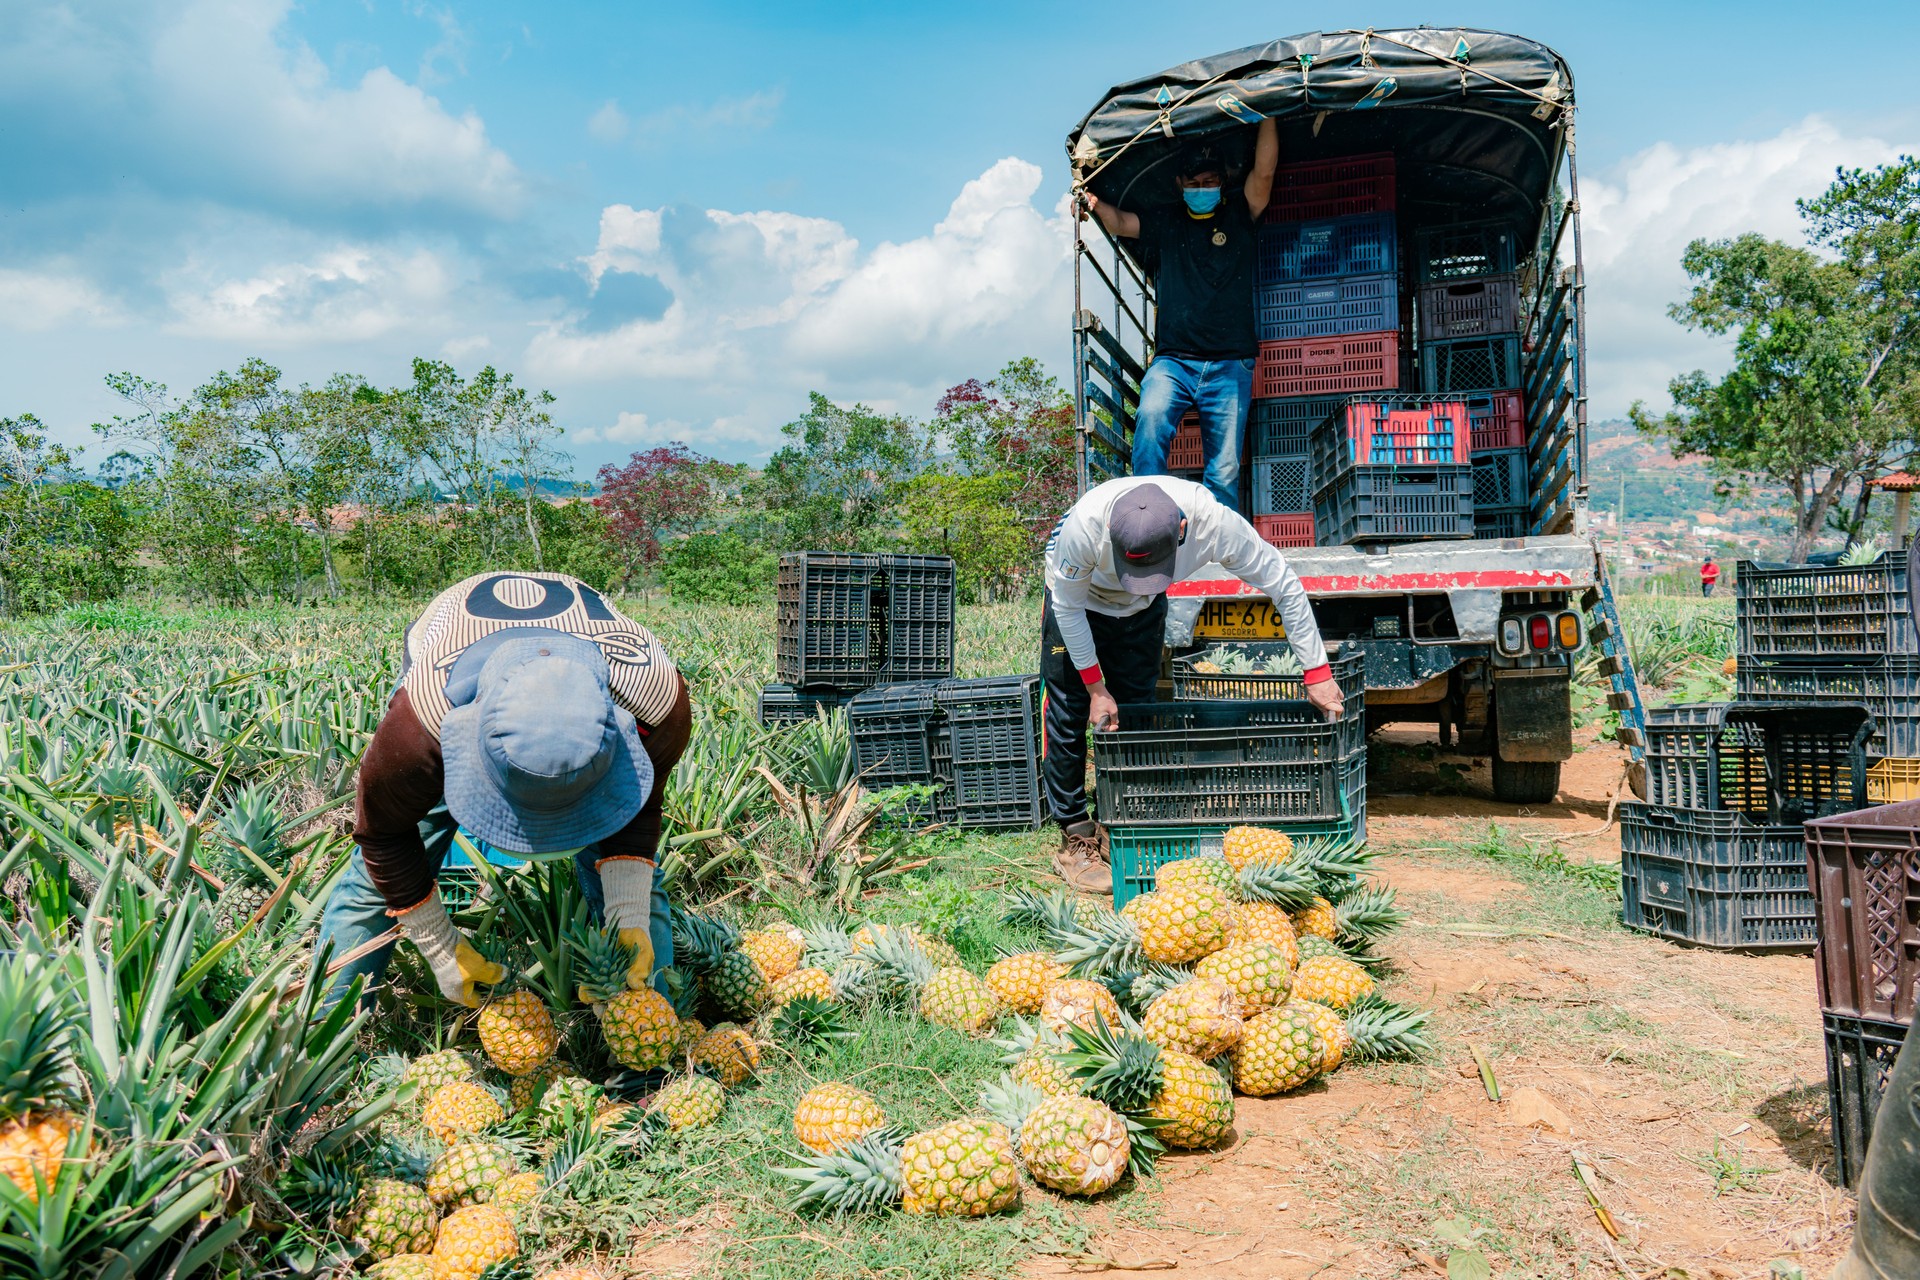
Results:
x,y
539,758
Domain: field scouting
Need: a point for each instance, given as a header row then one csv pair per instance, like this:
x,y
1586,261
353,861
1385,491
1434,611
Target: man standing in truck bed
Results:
x,y
1205,339
1109,563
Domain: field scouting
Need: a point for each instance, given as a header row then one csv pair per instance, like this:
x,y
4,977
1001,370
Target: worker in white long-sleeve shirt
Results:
x,y
1109,563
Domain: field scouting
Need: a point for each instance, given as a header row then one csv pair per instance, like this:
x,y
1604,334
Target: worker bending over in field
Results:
x,y
1205,336
533,716
1109,563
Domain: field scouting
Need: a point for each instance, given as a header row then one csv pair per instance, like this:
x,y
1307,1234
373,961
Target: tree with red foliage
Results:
x,y
657,494
1018,424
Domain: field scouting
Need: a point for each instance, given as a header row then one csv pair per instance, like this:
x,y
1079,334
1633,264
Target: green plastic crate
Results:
x,y
1138,852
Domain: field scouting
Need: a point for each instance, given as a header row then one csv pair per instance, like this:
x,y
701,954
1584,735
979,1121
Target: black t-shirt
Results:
x,y
1204,282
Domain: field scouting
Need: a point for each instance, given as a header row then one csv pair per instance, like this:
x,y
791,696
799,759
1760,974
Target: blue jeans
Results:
x,y
356,912
1221,390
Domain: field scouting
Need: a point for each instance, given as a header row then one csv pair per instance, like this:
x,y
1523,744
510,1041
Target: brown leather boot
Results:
x,y
1081,859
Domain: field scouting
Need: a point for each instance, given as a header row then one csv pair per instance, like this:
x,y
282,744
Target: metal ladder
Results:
x,y
1616,664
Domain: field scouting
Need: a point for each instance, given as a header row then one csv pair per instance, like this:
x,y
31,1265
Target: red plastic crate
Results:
x,y
1335,188
1186,453
1292,530
1499,420
1333,366
1408,434
1864,867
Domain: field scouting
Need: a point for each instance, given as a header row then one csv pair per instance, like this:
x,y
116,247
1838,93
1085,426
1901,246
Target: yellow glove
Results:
x,y
457,967
628,887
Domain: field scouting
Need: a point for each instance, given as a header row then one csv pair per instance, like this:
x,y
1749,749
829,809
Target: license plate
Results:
x,y
1252,619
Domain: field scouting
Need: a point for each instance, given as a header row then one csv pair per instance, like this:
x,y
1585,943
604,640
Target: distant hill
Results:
x,y
1659,486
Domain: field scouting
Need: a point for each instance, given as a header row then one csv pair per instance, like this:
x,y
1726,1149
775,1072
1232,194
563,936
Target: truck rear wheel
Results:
x,y
1525,781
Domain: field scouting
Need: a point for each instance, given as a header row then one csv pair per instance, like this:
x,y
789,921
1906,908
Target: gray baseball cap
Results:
x,y
1145,526
540,758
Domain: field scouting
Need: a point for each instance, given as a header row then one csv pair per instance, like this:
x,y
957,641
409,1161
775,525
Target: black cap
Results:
x,y
1145,525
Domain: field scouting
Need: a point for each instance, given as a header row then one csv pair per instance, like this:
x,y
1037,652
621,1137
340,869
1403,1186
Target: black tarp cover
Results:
x,y
1476,138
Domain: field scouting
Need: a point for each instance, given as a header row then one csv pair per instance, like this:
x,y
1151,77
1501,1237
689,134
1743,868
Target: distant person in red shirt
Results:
x,y
1709,575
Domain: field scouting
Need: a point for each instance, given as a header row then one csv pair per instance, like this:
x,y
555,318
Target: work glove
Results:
x,y
456,966
628,887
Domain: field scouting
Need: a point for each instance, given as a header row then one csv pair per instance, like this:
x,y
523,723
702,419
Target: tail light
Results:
x,y
1569,631
1512,638
1540,632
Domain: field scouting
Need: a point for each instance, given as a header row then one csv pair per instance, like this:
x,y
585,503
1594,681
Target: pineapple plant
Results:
x,y
1021,979
1257,974
36,1103
729,1052
1280,1050
964,1169
832,1115
709,948
402,1266
1243,845
467,1173
1177,1098
392,1217
777,953
1200,1016
517,1031
1334,981
471,1240
461,1108
431,1070
640,1027
1076,1145
691,1102
250,829
1263,922
1077,1002
946,995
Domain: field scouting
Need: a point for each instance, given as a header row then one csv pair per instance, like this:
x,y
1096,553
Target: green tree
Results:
x,y
975,520
835,484
62,539
1824,392
718,567
1018,424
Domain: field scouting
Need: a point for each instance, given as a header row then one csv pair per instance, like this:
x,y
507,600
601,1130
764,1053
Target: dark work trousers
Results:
x,y
1128,650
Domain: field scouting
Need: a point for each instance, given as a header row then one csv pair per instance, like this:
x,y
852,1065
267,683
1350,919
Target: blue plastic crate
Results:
x,y
1280,485
1492,524
1407,504
1360,246
1466,250
1500,478
1470,364
1282,427
1321,308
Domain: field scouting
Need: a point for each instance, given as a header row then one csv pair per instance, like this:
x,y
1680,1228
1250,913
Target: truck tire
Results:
x,y
1525,781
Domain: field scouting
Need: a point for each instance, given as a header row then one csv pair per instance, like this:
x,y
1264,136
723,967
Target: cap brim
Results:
x,y
478,805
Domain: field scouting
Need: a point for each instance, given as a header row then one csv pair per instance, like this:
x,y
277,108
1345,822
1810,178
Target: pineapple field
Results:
x,y
887,1051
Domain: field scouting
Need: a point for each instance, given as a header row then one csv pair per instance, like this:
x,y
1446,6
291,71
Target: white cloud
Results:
x,y
1639,218
630,428
609,124
34,300
751,111
347,293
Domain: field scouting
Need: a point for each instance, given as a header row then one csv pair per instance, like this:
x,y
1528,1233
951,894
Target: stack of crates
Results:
x,y
1716,856
846,622
977,742
1328,298
1469,346
1396,470
1866,884
1230,749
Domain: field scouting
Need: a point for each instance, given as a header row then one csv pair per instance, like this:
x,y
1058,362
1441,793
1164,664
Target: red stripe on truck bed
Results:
x,y
1385,583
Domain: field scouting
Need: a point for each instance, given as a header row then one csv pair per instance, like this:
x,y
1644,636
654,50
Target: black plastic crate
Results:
x,y
1348,663
1375,503
1470,308
1888,687
1860,1057
1365,245
1500,478
1322,308
1469,364
994,730
851,621
1279,484
1465,250
1713,878
1490,523
782,704
1188,763
892,730
1776,762
1282,427
1815,611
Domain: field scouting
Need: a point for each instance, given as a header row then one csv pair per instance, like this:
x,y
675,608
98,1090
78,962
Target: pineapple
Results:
x,y
1041,1068
691,1102
402,1266
1264,922
1021,980
461,1108
777,954
471,1240
1204,870
524,1092
1317,920
832,1115
963,1169
1332,1030
36,1116
948,996
1077,1002
1332,980
1195,1102
524,1188
432,1070
1200,1017
1256,973
569,1098
467,1173
640,1027
390,1217
517,1032
520,1189
709,947
1313,945
1243,845
729,1052
810,981
1280,1050
615,1115
1075,1145
1177,1098
251,829
1181,924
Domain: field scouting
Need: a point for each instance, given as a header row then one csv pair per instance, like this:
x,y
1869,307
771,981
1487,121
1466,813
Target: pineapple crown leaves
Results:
x,y
514,1268
867,1174
322,1187
704,941
1050,912
1144,1147
806,1021
603,962
404,1159
1290,885
827,945
1010,1102
1368,913
37,1028
899,964
853,983
1121,1068
251,820
1107,944
576,1150
683,992
1153,982
1382,1029
1025,1037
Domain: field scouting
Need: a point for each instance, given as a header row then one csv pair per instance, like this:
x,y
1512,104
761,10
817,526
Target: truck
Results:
x,y
1478,636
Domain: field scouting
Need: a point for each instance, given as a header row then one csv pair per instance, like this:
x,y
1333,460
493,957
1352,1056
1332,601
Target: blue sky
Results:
x,y
680,218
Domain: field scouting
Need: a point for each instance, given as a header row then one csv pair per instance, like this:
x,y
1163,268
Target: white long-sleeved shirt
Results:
x,y
1081,574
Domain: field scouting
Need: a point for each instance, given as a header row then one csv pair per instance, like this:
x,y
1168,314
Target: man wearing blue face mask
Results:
x,y
1205,339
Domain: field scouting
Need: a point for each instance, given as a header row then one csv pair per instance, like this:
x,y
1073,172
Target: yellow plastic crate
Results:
x,y
1894,778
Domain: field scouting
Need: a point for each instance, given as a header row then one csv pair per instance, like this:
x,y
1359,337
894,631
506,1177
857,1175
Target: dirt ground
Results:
x,y
1690,1083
